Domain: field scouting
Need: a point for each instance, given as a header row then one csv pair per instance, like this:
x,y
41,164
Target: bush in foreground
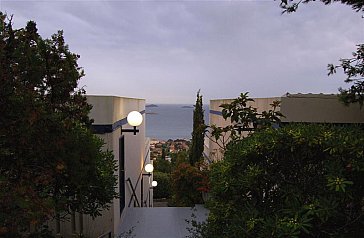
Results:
x,y
297,181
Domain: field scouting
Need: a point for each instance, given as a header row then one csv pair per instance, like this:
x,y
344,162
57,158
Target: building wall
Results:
x,y
319,108
212,149
109,114
113,110
310,108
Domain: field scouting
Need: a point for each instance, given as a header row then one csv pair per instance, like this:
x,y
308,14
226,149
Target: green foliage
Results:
x,y
354,70
86,175
297,181
291,6
163,174
198,133
162,165
243,118
353,67
163,190
163,156
178,158
49,160
188,182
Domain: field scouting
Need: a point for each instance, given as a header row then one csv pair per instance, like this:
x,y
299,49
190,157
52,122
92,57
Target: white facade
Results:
x,y
131,152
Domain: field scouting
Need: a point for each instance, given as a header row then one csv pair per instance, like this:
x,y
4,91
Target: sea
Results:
x,y
171,121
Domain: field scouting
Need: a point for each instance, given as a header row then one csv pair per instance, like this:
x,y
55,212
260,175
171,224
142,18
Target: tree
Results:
x,y
296,181
188,183
197,145
353,67
163,190
50,162
244,118
163,156
162,165
179,157
291,6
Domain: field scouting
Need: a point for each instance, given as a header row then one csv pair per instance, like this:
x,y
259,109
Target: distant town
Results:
x,y
171,146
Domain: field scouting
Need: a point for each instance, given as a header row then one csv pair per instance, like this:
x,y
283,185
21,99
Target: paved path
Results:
x,y
160,222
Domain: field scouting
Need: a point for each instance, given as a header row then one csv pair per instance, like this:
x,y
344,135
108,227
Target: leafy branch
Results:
x,y
244,119
290,6
354,69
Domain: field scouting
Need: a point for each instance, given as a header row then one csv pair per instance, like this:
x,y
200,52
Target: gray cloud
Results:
x,y
165,51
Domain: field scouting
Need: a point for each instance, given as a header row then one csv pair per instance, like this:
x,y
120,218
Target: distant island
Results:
x,y
151,105
187,107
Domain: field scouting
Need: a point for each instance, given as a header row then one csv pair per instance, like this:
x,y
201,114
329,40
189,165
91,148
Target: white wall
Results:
x,y
108,110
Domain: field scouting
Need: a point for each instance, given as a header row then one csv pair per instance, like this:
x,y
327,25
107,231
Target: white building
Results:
x,y
131,153
306,108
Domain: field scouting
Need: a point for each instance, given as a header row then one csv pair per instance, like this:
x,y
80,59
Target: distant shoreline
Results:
x,y
170,121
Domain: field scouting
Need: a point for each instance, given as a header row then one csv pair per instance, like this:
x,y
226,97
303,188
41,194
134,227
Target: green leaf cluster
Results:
x,y
163,190
290,6
198,132
296,181
354,69
50,162
244,119
188,183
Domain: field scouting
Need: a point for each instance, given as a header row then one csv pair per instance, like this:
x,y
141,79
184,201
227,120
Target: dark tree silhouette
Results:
x,y
197,144
50,162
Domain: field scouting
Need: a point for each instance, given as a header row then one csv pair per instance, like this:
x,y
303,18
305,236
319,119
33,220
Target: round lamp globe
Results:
x,y
134,118
149,168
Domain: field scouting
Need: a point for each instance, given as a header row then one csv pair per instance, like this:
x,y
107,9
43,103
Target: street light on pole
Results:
x,y
149,169
134,119
154,184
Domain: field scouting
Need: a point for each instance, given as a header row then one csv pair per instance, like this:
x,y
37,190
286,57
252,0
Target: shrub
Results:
x,y
297,181
188,184
162,165
163,190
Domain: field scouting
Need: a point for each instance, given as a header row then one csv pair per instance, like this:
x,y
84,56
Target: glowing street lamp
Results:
x,y
154,184
149,169
134,119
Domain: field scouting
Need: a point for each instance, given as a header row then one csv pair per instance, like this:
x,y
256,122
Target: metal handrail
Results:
x,y
138,180
133,193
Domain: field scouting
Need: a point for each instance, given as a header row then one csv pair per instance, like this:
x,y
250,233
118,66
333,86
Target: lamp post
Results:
x,y
149,169
154,184
134,119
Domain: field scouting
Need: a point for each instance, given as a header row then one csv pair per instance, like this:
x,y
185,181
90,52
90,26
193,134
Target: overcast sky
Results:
x,y
164,51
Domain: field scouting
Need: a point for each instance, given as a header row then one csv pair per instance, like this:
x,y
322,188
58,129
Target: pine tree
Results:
x,y
197,144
